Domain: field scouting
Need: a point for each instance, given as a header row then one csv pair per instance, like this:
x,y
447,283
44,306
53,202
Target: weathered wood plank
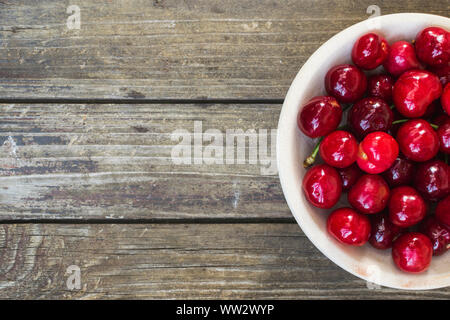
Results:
x,y
114,161
169,48
266,261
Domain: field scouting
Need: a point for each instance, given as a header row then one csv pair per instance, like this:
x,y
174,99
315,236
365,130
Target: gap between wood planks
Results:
x,y
140,101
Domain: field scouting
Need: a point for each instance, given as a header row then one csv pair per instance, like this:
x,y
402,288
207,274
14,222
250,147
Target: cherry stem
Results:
x,y
312,157
434,126
400,121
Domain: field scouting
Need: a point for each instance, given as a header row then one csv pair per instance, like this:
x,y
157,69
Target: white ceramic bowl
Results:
x,y
365,262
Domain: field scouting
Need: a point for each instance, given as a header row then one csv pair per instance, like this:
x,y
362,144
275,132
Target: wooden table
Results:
x,y
86,174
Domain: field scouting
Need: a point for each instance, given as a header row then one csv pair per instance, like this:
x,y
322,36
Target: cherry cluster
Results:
x,y
391,155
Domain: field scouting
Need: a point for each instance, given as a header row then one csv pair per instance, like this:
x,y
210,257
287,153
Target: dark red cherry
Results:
x,y
349,226
401,58
369,195
377,152
443,211
406,207
414,91
369,51
433,46
441,119
431,109
320,116
438,234
432,179
443,73
445,99
380,86
443,133
339,149
369,115
322,186
346,83
417,140
400,173
412,252
349,176
383,232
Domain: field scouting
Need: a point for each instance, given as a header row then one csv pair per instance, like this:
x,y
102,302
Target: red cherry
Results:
x,y
369,195
445,99
322,186
349,176
432,179
400,173
346,83
320,116
369,51
349,226
417,140
443,211
406,207
380,86
383,232
339,149
401,58
433,46
377,152
443,133
438,234
369,115
412,252
414,91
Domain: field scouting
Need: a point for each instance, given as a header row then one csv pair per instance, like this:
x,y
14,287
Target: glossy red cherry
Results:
x,y
438,234
400,173
406,207
346,83
383,232
322,186
377,152
349,176
445,99
432,179
380,86
443,133
320,116
401,58
433,46
443,211
369,115
417,140
414,91
349,226
412,252
369,51
369,195
339,149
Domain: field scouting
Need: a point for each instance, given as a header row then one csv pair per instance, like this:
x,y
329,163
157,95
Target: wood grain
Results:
x,y
98,161
189,261
169,49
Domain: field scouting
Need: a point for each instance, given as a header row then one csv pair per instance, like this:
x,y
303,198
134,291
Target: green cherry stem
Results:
x,y
434,126
312,157
400,121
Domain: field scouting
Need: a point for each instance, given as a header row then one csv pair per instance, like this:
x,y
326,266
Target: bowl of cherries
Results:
x,y
363,150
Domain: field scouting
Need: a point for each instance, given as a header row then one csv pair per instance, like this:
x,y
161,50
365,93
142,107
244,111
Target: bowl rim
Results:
x,y
282,132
